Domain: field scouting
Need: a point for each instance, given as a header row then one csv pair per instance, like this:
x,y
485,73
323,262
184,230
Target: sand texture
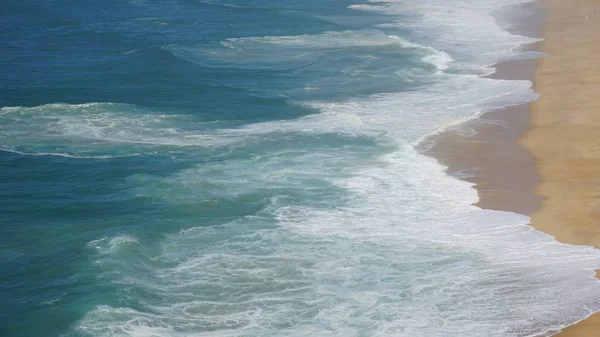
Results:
x,y
543,158
486,151
564,137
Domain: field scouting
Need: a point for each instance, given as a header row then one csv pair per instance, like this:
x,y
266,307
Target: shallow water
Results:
x,y
248,168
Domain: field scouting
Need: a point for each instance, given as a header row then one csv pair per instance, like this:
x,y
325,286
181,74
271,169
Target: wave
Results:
x,y
109,246
92,130
327,40
466,30
88,129
401,254
375,223
268,51
409,116
64,155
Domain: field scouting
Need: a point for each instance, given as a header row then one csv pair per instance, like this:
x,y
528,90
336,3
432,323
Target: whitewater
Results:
x,y
323,222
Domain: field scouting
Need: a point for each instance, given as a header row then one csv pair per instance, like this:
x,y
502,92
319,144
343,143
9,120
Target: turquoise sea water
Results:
x,y
248,168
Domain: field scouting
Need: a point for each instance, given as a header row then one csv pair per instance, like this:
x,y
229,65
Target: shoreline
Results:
x,y
482,150
510,154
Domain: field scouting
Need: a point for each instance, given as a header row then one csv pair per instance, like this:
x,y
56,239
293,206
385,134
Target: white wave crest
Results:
x,y
302,48
333,39
79,130
108,246
466,30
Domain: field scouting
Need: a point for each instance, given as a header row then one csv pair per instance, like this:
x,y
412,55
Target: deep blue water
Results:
x,y
248,168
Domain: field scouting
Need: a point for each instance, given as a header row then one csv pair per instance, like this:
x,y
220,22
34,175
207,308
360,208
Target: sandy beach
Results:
x,y
565,130
543,159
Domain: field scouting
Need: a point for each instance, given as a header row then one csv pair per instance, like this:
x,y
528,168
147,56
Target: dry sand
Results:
x,y
543,159
565,130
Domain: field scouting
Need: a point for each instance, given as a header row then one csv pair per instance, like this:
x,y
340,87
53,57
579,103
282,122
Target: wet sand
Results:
x,y
543,159
486,151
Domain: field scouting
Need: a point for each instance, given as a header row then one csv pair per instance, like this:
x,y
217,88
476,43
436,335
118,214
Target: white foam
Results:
x,y
91,130
223,4
129,52
327,40
298,48
402,256
59,154
112,245
407,116
466,30
400,251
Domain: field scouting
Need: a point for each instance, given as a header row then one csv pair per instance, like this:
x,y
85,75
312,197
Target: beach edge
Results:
x,y
500,152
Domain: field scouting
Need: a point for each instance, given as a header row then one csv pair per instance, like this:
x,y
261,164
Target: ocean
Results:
x,y
252,168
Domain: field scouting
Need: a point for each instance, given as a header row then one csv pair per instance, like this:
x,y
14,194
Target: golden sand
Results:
x,y
565,130
545,163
